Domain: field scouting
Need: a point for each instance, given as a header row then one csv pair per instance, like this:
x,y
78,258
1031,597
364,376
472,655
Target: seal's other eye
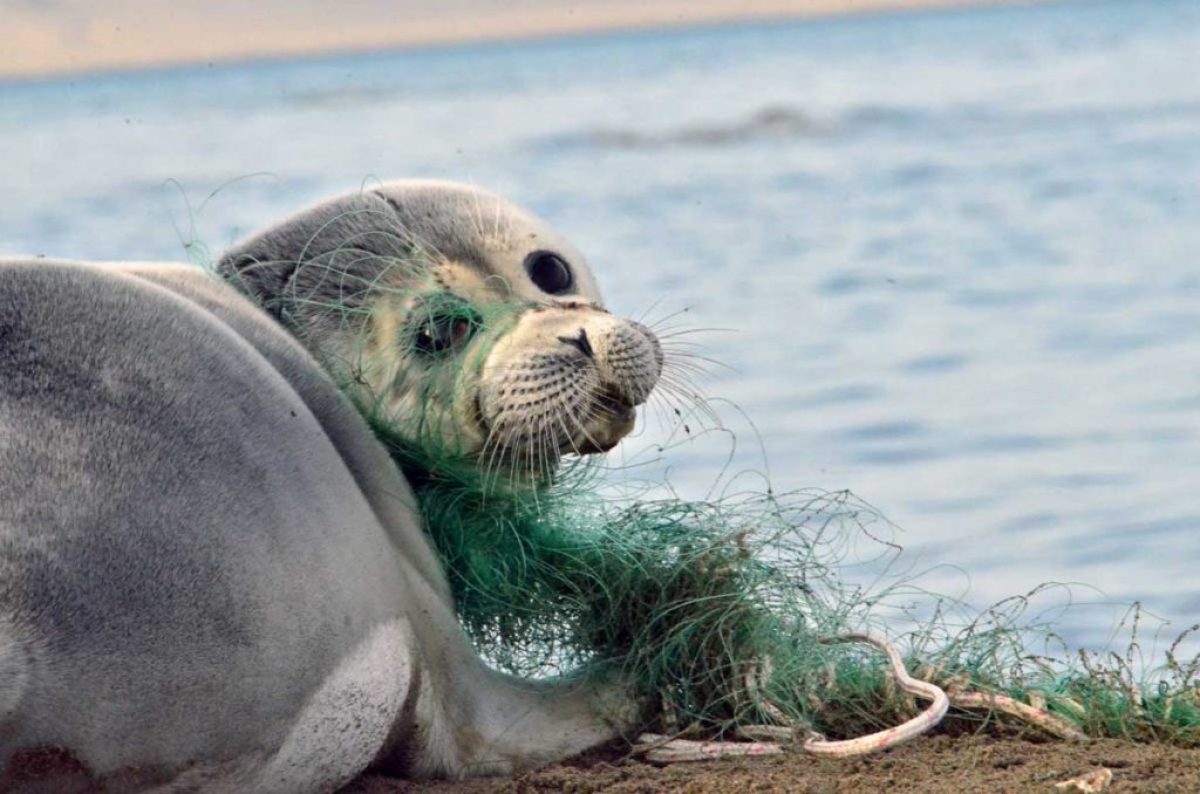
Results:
x,y
549,272
444,329
441,334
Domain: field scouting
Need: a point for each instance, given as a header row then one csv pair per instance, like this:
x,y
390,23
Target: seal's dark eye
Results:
x,y
443,332
549,272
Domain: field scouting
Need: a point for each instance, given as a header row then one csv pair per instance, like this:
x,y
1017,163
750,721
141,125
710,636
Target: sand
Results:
x,y
74,36
929,765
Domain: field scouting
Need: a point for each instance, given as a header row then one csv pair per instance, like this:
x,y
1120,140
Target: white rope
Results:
x,y
881,740
660,749
768,739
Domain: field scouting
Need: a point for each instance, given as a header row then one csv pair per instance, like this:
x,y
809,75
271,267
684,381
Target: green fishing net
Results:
x,y
715,610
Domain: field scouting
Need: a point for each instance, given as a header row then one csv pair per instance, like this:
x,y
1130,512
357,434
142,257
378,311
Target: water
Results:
x,y
960,251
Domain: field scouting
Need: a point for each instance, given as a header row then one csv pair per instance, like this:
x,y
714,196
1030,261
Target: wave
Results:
x,y
776,121
784,122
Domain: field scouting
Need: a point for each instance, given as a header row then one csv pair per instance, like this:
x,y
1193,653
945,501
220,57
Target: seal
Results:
x,y
212,574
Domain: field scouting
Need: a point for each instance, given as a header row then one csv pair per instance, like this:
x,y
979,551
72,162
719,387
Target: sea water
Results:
x,y
949,261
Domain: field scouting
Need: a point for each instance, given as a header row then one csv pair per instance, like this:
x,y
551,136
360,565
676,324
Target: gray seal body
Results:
x,y
212,576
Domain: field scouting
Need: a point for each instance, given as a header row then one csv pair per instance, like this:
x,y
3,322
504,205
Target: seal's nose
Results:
x,y
580,343
630,361
626,357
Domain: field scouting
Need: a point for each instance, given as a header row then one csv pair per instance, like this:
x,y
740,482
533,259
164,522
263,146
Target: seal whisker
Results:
x,y
680,329
689,399
657,302
698,368
654,325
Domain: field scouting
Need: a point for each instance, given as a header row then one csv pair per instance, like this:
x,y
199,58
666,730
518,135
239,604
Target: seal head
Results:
x,y
456,318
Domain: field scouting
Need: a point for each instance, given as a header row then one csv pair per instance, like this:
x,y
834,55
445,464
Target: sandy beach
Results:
x,y
938,765
77,37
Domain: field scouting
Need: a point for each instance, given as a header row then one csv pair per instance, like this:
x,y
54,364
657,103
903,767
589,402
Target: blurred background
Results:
x,y
949,252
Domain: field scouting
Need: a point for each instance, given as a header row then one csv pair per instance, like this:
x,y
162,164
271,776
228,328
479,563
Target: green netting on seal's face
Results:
x,y
414,362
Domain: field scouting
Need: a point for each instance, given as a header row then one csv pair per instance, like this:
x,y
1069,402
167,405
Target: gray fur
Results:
x,y
211,574
335,252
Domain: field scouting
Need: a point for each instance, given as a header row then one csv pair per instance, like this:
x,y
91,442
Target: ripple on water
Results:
x,y
883,431
1029,522
934,364
838,395
1014,442
896,455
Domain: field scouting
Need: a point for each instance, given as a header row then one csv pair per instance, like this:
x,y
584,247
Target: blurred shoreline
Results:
x,y
116,36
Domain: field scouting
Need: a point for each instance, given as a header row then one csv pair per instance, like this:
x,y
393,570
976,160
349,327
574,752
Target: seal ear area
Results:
x,y
353,235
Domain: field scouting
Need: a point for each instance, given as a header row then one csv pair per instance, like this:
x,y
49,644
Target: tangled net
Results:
x,y
722,613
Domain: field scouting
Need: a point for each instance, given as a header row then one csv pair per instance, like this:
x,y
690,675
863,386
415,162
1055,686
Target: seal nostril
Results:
x,y
580,343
